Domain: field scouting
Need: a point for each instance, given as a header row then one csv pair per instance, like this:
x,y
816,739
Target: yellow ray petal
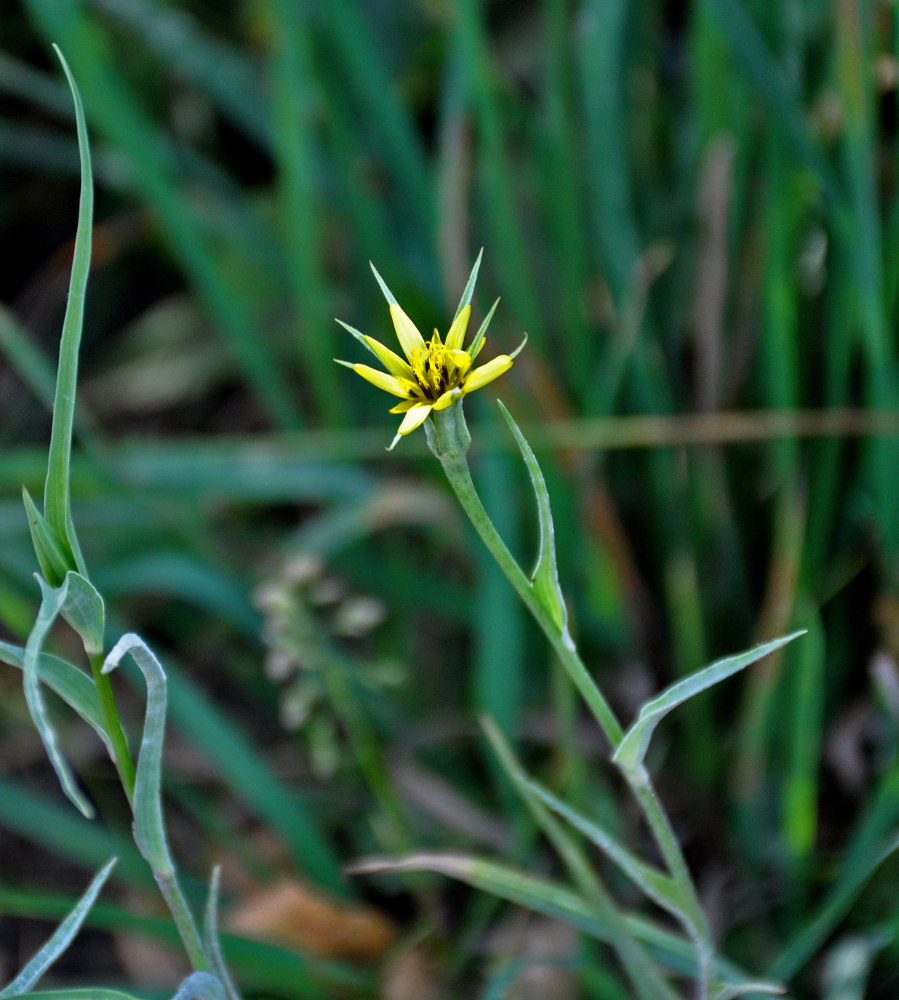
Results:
x,y
415,417
389,383
406,331
487,373
405,406
447,399
391,361
456,334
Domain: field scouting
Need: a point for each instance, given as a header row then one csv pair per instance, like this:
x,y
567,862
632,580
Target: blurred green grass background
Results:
x,y
690,208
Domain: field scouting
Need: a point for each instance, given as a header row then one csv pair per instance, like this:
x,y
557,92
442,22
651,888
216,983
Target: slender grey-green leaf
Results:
x,y
469,287
149,824
542,896
52,602
61,937
500,880
847,966
211,937
632,750
545,575
658,886
74,686
645,977
534,893
57,507
149,829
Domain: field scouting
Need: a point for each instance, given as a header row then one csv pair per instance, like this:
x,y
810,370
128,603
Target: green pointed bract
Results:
x,y
545,577
391,298
54,556
475,345
469,287
60,939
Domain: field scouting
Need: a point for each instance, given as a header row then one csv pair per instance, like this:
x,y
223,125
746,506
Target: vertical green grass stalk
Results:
x,y
57,499
295,119
498,178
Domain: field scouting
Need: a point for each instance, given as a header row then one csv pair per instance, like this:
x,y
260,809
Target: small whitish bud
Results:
x,y
357,616
302,569
269,596
297,706
280,664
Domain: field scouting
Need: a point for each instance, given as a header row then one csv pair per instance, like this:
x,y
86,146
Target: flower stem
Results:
x,y
459,476
113,725
449,442
692,916
184,922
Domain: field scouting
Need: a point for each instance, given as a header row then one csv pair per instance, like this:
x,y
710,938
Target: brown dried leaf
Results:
x,y
293,914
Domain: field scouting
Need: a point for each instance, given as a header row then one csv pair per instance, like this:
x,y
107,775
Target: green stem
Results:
x,y
448,439
457,472
184,922
113,725
692,916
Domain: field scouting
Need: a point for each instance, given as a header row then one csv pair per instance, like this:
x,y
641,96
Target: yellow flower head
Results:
x,y
434,373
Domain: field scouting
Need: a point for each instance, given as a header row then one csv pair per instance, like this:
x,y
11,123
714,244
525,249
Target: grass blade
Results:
x,y
74,686
149,824
60,939
545,575
149,828
632,750
57,506
52,604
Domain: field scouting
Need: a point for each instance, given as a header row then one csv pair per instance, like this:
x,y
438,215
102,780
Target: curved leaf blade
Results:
x,y
149,827
61,937
57,506
74,686
545,575
211,937
631,752
659,887
52,602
